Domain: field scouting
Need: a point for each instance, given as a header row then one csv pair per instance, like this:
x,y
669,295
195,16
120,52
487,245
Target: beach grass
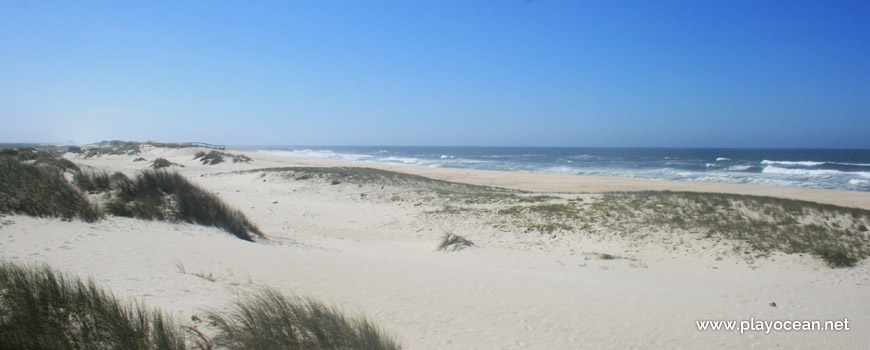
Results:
x,y
420,184
161,163
216,157
270,320
43,309
835,234
42,192
119,148
169,196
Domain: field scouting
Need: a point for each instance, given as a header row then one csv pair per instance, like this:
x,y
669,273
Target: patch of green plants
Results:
x,y
548,228
836,257
555,210
270,320
43,309
765,223
95,182
169,196
114,148
216,157
537,198
43,192
161,163
368,176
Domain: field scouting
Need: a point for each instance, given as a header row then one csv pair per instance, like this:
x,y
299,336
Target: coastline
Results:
x,y
371,248
592,184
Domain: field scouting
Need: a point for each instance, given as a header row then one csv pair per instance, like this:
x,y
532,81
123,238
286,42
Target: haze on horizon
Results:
x,y
780,74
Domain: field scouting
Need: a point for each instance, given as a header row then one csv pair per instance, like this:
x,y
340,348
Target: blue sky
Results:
x,y
496,73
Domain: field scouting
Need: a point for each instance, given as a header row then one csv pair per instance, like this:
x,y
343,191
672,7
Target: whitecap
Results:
x,y
722,159
809,172
786,162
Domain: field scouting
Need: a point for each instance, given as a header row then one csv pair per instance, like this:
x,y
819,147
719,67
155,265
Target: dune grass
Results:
x,y
43,309
161,163
368,176
119,148
270,320
216,157
93,181
835,234
41,191
169,196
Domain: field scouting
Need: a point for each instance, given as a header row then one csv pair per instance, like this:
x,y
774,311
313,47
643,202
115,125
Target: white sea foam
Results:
x,y
785,162
722,159
740,167
404,160
813,172
308,153
858,182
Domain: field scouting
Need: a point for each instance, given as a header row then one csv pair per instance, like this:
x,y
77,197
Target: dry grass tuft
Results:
x,y
452,243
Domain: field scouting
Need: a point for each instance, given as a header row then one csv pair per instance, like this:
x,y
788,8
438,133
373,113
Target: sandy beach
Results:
x,y
531,280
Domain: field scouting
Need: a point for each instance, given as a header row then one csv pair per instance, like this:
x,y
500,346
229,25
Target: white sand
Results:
x,y
379,258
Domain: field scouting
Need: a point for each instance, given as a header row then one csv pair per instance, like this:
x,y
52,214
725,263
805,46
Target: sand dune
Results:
x,y
371,247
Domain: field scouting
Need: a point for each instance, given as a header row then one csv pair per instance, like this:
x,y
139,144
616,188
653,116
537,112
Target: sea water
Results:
x,y
802,168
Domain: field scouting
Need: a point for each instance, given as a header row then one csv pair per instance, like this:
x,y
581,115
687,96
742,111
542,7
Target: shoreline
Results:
x,y
561,183
537,276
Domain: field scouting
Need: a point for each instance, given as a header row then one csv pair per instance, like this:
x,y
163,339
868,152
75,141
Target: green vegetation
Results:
x,y
161,163
114,148
94,182
215,157
41,158
269,320
836,234
556,210
162,195
42,309
41,191
367,176
537,198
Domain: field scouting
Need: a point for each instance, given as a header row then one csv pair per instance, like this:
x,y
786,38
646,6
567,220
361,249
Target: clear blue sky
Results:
x,y
688,73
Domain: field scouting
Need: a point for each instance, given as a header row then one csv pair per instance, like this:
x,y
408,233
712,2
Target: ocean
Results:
x,y
803,168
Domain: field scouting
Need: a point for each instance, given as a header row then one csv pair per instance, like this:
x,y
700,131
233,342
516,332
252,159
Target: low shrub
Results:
x,y
836,257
